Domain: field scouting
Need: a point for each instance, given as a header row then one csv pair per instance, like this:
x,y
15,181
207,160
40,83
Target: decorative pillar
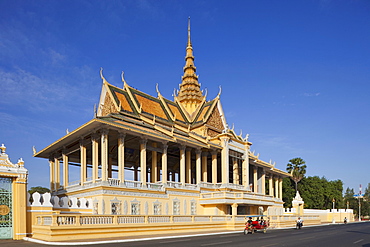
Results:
x,y
271,189
83,162
182,164
263,182
104,154
57,173
121,157
234,209
164,164
154,169
245,170
276,188
280,188
225,159
235,171
214,167
188,165
95,156
52,177
204,167
143,173
65,169
198,162
255,180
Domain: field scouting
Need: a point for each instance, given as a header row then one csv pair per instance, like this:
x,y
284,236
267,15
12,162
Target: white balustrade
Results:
x,y
182,219
202,218
114,182
132,184
131,219
159,219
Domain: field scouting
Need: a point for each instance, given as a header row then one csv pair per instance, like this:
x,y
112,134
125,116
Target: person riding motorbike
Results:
x,y
299,223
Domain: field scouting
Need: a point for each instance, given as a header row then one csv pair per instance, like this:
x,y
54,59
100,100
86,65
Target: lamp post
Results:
x,y
359,208
333,210
359,203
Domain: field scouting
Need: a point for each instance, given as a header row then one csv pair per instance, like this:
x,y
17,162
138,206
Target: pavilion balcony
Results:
x,y
158,186
238,197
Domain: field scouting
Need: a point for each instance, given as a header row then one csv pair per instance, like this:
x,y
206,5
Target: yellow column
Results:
x,y
198,162
95,156
255,180
52,177
104,154
153,170
245,170
234,209
57,174
182,164
65,170
20,211
143,173
188,165
263,182
164,164
225,159
121,157
280,188
204,167
276,188
214,167
235,171
83,162
271,190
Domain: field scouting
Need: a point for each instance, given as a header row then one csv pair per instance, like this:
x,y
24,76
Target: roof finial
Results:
x,y
189,41
101,75
123,79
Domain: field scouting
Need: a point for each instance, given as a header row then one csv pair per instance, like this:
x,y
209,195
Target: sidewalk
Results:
x,y
123,239
126,239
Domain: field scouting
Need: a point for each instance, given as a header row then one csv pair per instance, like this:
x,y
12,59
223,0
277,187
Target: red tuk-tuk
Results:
x,y
256,223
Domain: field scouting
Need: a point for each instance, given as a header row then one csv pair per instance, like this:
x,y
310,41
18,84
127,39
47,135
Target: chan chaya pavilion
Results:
x,y
147,155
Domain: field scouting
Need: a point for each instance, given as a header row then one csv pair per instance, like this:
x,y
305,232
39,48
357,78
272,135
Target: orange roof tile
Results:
x,y
175,110
203,112
124,102
151,106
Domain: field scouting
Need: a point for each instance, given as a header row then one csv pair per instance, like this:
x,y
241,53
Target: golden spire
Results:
x,y
190,95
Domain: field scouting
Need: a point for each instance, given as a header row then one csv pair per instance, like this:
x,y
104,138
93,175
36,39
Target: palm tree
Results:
x,y
297,168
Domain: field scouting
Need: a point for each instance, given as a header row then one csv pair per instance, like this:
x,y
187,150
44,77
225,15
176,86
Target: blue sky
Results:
x,y
295,75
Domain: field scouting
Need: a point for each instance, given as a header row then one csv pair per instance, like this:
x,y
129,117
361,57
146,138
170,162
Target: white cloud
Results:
x,y
311,94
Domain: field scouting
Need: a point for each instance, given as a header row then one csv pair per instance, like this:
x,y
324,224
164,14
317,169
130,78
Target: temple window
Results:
x,y
157,208
176,207
193,207
135,207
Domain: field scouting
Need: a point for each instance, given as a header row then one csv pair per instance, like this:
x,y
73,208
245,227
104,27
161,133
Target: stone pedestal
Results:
x,y
297,204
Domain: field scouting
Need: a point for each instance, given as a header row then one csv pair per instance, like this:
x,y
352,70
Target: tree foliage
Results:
x,y
317,193
297,168
39,189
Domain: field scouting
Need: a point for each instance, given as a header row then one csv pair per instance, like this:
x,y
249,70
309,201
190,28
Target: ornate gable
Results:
x,y
108,106
214,123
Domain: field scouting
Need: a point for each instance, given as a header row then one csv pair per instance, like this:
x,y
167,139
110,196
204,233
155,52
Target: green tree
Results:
x,y
312,192
288,192
365,202
39,189
297,168
349,197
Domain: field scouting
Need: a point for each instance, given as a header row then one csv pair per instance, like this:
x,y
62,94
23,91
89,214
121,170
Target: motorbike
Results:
x,y
256,225
299,225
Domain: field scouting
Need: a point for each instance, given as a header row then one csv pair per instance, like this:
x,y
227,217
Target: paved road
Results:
x,y
356,234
